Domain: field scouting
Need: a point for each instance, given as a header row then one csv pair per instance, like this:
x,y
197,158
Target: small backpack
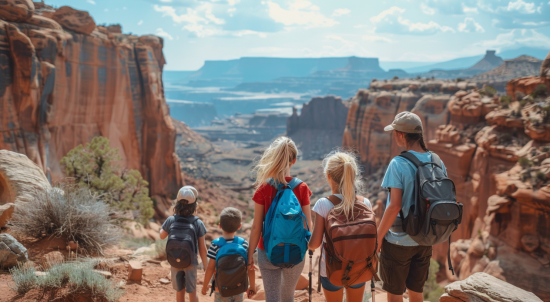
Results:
x,y
181,248
285,238
434,213
231,267
351,245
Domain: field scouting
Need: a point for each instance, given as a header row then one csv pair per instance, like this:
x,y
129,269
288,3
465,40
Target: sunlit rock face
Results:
x,y
65,80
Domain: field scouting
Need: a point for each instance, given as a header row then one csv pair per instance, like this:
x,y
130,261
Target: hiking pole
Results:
x,y
310,269
372,289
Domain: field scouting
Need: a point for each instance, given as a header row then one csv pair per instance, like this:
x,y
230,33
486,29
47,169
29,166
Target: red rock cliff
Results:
x,y
64,80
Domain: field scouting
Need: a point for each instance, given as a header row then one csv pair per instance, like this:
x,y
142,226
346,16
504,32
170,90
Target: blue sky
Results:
x,y
399,30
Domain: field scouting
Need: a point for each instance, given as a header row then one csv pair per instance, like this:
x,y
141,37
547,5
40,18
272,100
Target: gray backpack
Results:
x,y
434,213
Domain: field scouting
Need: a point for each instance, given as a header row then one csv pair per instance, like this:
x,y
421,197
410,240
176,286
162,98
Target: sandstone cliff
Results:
x,y
65,80
319,127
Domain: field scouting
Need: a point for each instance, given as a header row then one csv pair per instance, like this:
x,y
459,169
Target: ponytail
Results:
x,y
343,168
275,161
412,138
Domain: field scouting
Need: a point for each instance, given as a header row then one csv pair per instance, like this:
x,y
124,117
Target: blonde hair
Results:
x,y
343,168
275,161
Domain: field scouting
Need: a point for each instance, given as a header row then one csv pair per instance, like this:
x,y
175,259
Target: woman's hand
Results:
x,y
251,262
204,289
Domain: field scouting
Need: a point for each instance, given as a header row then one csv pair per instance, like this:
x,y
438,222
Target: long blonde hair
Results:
x,y
343,168
275,161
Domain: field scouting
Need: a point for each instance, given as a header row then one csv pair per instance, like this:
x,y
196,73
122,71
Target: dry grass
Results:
x,y
68,212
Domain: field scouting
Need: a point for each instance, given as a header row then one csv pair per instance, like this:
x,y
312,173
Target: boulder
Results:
x,y
135,271
545,67
530,242
16,10
51,259
5,213
20,178
75,20
484,287
11,251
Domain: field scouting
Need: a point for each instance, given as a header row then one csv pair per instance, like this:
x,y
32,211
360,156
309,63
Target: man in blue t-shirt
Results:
x,y
403,263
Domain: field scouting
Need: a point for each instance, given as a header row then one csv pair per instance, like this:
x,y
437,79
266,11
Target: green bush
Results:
x,y
541,176
68,212
540,90
488,91
525,162
396,78
93,166
78,278
160,248
505,101
432,290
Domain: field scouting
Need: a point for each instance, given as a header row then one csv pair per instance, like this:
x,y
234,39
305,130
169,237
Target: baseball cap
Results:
x,y
406,122
188,193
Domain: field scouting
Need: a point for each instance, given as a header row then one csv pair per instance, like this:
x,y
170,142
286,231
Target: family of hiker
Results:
x,y
421,211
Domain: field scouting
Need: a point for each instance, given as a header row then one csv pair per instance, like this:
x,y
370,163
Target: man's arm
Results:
x,y
390,214
208,275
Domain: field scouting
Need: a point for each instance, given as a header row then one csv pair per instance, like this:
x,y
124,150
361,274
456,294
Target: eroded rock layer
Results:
x,y
63,81
319,127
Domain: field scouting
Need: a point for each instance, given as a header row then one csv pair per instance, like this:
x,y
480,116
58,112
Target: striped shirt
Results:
x,y
213,250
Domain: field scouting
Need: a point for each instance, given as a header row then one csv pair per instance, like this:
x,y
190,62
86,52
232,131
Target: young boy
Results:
x,y
230,223
185,280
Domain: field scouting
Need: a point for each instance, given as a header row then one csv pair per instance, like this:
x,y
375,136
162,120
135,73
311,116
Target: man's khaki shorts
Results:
x,y
404,266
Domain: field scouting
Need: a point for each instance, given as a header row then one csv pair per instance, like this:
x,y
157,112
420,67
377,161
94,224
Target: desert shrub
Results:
x,y
432,290
131,242
93,166
78,278
160,248
505,101
540,90
459,80
374,80
396,78
526,100
69,212
540,176
488,91
525,162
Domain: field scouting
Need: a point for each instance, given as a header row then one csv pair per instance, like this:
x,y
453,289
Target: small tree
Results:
x,y
94,166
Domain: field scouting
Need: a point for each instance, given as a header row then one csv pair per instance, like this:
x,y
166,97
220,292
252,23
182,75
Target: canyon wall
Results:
x,y
64,80
319,126
496,151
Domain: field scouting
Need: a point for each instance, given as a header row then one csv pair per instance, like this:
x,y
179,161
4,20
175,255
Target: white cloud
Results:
x,y
166,1
91,1
391,21
426,9
340,12
300,12
520,6
140,22
517,38
470,25
467,9
371,38
106,10
162,33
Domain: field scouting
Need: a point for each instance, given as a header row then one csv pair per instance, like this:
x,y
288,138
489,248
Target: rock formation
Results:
x,y
496,152
319,127
66,80
523,66
423,85
11,252
484,287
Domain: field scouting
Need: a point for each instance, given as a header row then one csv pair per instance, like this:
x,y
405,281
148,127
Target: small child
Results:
x,y
230,223
185,280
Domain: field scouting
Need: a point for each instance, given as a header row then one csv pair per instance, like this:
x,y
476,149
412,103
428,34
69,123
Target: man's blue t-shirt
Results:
x,y
401,174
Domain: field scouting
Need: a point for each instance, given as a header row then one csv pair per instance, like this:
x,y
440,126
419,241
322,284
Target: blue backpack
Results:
x,y
231,267
285,238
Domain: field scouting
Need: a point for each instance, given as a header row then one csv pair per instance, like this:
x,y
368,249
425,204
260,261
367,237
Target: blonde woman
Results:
x,y
343,176
273,170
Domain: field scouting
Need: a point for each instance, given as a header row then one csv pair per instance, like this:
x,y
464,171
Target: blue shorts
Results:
x,y
325,282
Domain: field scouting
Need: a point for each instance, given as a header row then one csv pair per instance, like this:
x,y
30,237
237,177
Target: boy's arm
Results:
x,y
202,251
208,275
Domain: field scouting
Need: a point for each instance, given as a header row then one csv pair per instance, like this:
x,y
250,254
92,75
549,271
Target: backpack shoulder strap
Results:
x,y
238,240
435,159
411,157
334,199
295,182
219,242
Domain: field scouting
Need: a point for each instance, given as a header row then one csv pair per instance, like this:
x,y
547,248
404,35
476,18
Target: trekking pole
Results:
x,y
372,289
310,270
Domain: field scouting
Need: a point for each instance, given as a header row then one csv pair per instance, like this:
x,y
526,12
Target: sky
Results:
x,y
399,30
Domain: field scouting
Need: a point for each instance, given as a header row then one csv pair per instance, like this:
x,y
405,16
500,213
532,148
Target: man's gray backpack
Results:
x,y
434,213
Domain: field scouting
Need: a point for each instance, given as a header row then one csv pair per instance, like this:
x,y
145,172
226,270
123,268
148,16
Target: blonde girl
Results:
x,y
344,178
275,164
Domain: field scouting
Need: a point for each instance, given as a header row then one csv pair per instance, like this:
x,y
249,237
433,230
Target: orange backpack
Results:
x,y
350,248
